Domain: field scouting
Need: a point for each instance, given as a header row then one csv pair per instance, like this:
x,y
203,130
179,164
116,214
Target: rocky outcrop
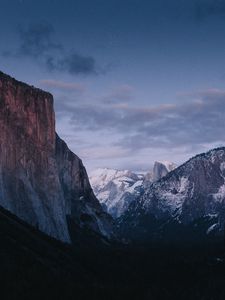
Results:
x,y
161,169
192,192
41,180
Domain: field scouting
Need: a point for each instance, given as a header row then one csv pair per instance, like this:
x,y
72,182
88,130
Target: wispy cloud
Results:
x,y
195,122
122,93
61,85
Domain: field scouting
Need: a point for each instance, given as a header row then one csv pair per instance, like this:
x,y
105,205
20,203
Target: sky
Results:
x,y
133,81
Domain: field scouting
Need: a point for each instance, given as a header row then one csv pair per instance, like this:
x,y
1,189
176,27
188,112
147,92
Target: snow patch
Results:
x,y
220,195
212,228
172,200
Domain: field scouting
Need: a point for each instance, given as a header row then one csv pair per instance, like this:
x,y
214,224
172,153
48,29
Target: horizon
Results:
x,y
133,83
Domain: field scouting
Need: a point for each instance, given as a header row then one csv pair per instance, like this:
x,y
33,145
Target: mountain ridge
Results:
x,y
192,193
116,189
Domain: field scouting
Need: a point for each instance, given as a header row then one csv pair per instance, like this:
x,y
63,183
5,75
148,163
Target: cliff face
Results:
x,y
82,207
41,180
192,195
161,169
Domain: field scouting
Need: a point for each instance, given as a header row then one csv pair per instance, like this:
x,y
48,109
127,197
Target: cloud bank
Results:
x,y
200,120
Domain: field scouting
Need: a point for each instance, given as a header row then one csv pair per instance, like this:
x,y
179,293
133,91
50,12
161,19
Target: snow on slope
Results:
x,y
192,192
116,189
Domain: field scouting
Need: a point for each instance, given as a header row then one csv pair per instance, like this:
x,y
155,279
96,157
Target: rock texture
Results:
x,y
194,191
161,169
41,180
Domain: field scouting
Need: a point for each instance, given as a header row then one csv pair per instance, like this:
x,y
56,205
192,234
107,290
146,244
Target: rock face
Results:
x,y
194,191
161,169
41,180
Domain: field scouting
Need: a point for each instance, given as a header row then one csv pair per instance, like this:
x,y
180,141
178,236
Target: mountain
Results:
x,y
161,169
189,199
41,180
116,189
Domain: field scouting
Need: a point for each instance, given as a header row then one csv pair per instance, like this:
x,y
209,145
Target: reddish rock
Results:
x,y
41,180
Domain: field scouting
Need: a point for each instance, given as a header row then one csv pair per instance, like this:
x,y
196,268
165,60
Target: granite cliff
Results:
x,y
187,202
41,180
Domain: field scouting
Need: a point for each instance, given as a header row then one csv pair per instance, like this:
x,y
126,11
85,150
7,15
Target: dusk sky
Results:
x,y
134,81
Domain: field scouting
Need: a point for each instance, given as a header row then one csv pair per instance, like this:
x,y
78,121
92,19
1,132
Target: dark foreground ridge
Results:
x,y
33,265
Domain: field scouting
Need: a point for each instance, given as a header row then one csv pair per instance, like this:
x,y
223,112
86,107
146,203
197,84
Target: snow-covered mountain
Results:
x,y
192,194
116,189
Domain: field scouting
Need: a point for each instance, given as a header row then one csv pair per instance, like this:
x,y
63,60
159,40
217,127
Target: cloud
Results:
x,y
106,152
207,8
73,63
37,42
118,94
190,123
64,86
